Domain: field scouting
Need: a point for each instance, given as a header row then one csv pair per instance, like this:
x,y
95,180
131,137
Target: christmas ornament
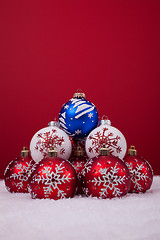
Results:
x,y
47,137
111,136
105,176
52,177
140,171
16,173
78,163
78,116
77,143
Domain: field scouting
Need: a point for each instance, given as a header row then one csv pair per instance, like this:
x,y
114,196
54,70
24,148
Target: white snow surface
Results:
x,y
134,216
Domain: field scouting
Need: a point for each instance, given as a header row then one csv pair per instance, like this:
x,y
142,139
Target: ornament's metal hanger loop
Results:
x,y
104,117
79,90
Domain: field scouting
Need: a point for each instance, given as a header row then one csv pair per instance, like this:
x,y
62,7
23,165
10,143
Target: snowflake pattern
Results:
x,y
90,115
78,131
87,167
99,138
110,181
22,172
52,180
137,175
86,191
66,106
48,139
78,165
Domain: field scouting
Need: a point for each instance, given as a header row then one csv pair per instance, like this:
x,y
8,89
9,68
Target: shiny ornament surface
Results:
x,y
111,136
141,173
78,117
53,178
45,138
16,174
105,177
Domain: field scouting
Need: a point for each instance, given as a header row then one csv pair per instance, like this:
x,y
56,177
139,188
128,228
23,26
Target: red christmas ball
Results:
x,y
16,173
105,176
140,171
78,162
52,177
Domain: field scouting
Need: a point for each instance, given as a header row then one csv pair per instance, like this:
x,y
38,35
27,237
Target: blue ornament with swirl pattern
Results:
x,y
78,117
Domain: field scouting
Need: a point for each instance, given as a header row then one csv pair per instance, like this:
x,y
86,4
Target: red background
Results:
x,y
109,49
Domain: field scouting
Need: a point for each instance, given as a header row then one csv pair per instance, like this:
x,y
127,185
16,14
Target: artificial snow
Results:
x,y
134,216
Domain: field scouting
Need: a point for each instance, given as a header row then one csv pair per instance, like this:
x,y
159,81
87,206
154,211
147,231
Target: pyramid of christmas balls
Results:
x,y
78,155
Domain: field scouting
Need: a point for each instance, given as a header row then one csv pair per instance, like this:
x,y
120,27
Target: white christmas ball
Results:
x,y
47,137
113,139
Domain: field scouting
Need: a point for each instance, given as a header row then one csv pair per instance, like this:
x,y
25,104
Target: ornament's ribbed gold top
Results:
x,y
79,152
52,152
104,151
132,151
24,152
79,94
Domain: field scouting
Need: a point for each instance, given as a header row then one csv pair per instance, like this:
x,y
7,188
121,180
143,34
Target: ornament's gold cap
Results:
x,y
79,151
132,151
104,151
79,94
52,152
24,152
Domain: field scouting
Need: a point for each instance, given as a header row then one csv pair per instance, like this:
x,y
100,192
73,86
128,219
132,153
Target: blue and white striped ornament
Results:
x,y
78,117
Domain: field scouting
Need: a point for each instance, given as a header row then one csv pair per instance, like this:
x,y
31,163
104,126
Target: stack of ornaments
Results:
x,y
78,155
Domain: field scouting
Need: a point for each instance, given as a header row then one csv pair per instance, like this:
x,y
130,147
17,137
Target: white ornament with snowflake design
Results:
x,y
47,137
114,140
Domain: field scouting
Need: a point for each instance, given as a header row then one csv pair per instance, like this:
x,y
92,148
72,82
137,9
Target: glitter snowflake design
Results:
x,y
53,179
137,175
22,171
87,167
77,165
22,174
47,140
110,180
110,141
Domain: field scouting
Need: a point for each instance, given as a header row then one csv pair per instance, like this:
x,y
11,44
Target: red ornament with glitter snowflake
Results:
x,y
78,162
47,137
53,178
16,173
108,135
105,176
140,171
